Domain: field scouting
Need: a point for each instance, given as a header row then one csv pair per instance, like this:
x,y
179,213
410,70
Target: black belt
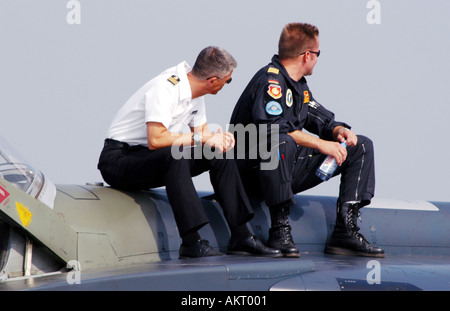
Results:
x,y
115,143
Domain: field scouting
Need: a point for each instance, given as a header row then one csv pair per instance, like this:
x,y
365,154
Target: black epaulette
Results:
x,y
174,79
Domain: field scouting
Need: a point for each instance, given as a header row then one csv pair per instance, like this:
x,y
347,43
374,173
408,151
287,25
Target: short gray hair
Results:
x,y
213,62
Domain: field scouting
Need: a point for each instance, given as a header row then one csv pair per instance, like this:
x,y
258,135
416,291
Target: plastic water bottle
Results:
x,y
328,166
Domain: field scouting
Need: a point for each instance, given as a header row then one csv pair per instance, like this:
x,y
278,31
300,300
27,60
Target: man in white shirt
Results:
x,y
138,153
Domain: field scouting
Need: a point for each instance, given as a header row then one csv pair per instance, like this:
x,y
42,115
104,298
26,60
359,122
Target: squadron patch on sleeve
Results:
x,y
274,108
274,91
174,79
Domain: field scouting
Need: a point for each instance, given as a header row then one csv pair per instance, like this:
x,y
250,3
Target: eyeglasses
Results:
x,y
227,82
317,53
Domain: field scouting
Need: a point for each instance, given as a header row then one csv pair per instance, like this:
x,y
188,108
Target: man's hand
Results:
x,y
222,142
334,149
344,134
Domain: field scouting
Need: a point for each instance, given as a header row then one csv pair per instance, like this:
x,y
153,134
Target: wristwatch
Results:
x,y
197,139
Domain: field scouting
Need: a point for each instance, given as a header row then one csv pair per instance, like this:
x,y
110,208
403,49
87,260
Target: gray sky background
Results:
x,y
61,84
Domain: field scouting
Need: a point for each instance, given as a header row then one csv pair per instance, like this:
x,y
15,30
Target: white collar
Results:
x,y
185,88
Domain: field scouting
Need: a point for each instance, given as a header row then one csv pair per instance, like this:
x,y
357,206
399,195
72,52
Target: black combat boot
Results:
x,y
345,239
280,232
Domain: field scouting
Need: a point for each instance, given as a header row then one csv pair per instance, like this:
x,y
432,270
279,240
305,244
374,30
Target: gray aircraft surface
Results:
x,y
93,237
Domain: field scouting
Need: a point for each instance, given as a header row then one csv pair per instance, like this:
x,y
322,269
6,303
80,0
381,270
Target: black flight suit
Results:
x,y
273,98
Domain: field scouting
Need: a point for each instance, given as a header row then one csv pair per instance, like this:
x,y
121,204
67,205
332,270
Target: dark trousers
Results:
x,y
296,173
137,167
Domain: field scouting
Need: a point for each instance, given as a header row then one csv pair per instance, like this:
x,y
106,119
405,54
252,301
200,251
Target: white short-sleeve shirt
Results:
x,y
166,99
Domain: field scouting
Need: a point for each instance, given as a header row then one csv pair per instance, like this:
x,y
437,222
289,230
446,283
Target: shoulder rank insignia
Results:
x,y
174,79
274,108
274,91
273,70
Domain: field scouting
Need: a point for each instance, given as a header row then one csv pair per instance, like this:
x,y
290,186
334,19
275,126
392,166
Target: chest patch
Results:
x,y
306,96
274,91
274,108
289,99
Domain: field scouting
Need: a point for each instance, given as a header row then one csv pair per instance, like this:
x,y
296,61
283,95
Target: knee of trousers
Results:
x,y
365,144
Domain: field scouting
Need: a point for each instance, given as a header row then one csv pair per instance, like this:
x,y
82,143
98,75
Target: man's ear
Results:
x,y
211,80
302,58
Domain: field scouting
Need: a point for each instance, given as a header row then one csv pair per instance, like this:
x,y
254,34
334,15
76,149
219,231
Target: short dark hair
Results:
x,y
295,39
213,61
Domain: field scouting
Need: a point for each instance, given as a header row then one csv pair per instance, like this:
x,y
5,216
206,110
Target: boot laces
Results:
x,y
352,217
284,233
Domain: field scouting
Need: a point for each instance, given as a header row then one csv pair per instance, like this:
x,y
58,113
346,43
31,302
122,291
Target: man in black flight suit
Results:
x,y
278,95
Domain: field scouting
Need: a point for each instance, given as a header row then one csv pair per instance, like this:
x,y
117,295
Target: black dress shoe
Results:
x,y
200,249
252,246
